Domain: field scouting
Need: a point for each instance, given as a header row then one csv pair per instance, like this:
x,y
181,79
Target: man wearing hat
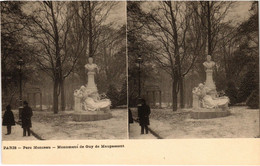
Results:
x,y
8,119
26,118
143,115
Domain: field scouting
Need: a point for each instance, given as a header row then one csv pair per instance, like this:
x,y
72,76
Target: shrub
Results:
x,y
248,84
231,92
123,94
253,100
113,95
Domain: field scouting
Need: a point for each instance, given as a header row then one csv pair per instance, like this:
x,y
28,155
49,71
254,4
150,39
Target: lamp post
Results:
x,y
139,61
20,63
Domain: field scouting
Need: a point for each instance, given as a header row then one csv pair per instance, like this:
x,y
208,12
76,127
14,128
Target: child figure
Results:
x,y
8,119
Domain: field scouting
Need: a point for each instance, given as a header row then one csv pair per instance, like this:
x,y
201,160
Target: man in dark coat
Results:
x,y
8,119
26,118
130,119
143,114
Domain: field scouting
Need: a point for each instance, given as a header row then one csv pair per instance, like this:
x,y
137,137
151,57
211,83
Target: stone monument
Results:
x,y
88,104
209,66
206,101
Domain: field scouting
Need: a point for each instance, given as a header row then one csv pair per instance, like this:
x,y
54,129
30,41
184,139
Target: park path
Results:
x,y
135,130
16,135
242,123
49,126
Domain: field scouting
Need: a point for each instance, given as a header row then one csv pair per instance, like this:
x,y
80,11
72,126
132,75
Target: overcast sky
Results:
x,y
118,14
238,13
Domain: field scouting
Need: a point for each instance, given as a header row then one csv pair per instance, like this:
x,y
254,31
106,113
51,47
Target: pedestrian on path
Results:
x,y
143,115
8,119
130,119
26,118
130,116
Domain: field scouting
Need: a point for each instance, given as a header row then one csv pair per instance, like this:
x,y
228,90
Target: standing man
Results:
x,y
26,118
143,114
130,119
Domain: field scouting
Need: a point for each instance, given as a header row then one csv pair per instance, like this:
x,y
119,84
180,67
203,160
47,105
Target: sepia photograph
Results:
x,y
60,63
130,82
193,69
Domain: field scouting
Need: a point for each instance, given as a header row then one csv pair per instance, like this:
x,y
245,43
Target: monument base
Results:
x,y
204,113
89,116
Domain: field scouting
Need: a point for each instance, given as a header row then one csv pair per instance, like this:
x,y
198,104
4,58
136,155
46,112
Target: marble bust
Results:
x,y
209,64
91,66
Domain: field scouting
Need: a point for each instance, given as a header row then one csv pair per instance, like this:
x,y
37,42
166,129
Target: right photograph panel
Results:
x,y
193,69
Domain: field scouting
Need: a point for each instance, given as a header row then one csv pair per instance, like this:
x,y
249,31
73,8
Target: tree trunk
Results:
x,y
90,30
63,102
174,96
178,74
58,67
181,92
83,56
55,105
209,29
5,94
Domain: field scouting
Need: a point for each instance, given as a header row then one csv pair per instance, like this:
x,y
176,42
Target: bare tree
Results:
x,y
86,28
89,18
13,22
167,27
212,14
49,31
111,56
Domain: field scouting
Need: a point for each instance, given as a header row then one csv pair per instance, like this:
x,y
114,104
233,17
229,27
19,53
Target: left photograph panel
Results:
x,y
63,70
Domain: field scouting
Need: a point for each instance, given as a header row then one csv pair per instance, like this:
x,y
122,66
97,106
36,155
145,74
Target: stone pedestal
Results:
x,y
78,105
90,116
91,81
204,113
88,105
195,102
209,97
209,80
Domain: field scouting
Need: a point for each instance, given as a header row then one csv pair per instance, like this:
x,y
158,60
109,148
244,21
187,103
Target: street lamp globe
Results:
x,y
20,62
139,59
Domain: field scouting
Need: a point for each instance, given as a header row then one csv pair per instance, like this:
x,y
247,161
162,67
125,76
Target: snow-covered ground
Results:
x,y
135,132
242,123
17,134
60,126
